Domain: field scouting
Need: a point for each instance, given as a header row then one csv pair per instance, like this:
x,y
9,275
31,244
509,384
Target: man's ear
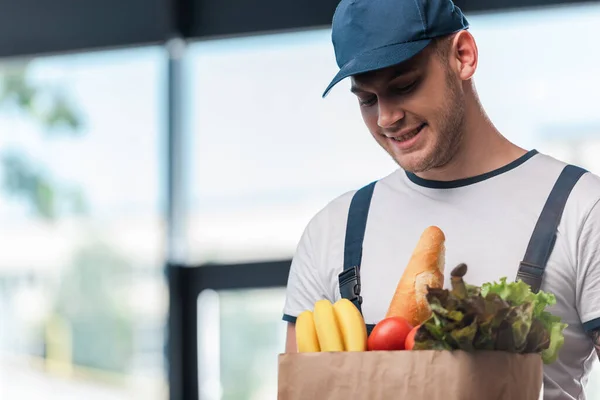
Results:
x,y
464,54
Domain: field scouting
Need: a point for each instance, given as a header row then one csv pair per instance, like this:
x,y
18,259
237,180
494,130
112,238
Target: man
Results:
x,y
411,64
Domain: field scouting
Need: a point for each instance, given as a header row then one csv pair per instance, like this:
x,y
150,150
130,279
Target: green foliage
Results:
x,y
88,298
35,186
497,316
26,179
44,105
92,297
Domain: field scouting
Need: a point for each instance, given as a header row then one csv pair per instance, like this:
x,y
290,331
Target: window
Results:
x,y
537,79
268,152
82,298
240,335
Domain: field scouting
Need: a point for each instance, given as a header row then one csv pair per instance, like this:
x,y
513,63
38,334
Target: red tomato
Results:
x,y
409,343
389,334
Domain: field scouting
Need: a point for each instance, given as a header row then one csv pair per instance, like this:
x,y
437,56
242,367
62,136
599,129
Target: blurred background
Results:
x,y
159,161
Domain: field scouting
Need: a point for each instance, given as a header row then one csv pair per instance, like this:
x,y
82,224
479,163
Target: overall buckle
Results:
x,y
349,281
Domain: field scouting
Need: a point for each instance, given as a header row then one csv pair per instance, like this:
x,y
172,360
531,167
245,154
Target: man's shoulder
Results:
x,y
587,188
583,199
334,211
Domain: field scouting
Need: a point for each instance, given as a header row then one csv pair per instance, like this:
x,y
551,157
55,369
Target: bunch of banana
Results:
x,y
331,327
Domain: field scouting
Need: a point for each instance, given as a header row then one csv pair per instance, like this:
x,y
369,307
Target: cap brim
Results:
x,y
380,58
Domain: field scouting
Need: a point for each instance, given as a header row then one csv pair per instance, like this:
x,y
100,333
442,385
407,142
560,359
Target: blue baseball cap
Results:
x,y
368,35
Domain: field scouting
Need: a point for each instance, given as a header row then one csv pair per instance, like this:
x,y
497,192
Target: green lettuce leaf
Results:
x,y
549,339
504,316
555,327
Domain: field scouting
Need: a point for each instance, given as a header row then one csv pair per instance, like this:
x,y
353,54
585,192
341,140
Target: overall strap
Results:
x,y
541,243
349,278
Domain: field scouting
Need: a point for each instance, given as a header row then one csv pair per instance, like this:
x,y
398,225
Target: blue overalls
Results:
x,y
531,269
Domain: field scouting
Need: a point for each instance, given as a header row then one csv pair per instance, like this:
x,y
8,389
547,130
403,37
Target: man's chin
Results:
x,y
413,166
415,161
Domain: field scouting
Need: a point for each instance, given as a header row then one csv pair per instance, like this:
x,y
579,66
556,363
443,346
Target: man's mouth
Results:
x,y
408,135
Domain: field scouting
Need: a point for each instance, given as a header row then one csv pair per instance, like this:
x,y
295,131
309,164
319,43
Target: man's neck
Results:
x,y
483,149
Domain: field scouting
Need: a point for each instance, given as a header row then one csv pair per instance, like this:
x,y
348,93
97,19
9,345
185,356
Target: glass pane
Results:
x,y
240,334
83,301
268,152
537,96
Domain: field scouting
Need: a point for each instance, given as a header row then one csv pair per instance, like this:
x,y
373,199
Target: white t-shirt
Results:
x,y
488,221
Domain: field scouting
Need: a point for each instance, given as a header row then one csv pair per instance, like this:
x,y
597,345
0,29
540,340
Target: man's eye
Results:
x,y
406,88
369,101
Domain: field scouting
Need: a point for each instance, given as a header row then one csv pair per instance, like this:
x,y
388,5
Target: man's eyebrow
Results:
x,y
401,70
355,89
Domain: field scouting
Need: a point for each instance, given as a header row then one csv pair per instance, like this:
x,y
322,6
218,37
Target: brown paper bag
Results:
x,y
414,375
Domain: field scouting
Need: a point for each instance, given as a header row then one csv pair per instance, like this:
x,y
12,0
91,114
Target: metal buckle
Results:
x,y
531,275
531,269
349,281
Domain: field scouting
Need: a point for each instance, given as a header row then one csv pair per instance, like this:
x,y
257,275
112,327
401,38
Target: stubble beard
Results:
x,y
449,136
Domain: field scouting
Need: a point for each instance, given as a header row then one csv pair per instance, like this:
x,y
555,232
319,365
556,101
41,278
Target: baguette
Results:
x,y
425,268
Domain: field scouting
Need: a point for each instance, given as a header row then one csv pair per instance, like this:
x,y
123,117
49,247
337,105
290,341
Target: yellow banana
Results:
x,y
306,334
328,331
352,325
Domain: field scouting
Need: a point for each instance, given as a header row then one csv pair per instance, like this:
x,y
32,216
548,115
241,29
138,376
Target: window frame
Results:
x,y
185,283
104,24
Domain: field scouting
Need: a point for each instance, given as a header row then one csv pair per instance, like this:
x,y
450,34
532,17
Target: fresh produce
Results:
x,y
352,325
496,316
331,327
389,334
328,330
425,269
306,333
409,343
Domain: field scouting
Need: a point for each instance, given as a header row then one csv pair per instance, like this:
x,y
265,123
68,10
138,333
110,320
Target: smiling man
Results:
x,y
505,211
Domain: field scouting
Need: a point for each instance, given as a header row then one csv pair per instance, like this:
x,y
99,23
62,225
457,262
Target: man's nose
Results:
x,y
389,114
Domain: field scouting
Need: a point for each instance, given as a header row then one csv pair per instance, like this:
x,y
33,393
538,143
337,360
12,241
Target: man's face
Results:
x,y
414,110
